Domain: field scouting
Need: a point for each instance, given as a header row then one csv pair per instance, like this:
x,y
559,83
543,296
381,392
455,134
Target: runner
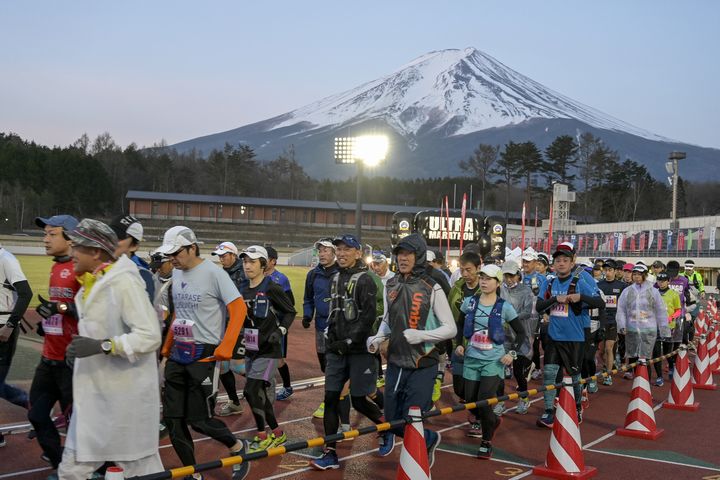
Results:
x,y
15,296
380,265
681,285
115,375
470,247
485,356
202,294
641,314
227,253
663,346
418,318
282,280
316,301
611,288
52,381
567,298
695,278
130,233
592,341
269,317
352,315
536,279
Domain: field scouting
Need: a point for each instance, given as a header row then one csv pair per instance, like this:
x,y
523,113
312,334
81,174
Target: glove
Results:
x,y
374,342
340,347
306,322
413,336
82,347
275,337
46,309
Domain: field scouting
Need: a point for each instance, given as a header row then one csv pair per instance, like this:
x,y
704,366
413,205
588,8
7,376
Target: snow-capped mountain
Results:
x,y
437,109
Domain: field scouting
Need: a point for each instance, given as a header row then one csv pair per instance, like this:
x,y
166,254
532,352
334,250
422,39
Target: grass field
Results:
x,y
37,271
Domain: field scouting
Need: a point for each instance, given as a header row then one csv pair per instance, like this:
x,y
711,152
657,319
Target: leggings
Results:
x,y
182,441
321,359
257,396
483,389
228,382
521,367
331,420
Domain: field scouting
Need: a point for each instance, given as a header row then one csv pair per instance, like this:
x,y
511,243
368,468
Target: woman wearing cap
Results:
x,y
484,352
641,313
270,314
664,346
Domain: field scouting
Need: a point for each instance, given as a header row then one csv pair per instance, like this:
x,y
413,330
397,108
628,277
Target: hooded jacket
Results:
x,y
522,299
316,300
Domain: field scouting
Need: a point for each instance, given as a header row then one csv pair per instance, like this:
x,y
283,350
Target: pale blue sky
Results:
x,y
174,70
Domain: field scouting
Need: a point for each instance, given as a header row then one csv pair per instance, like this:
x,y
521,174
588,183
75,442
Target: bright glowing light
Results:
x,y
368,259
371,149
454,264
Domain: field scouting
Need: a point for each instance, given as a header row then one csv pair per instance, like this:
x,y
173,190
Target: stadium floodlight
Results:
x,y
669,167
674,157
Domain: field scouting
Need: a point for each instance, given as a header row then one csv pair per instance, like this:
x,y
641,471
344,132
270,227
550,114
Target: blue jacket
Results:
x,y
317,294
146,275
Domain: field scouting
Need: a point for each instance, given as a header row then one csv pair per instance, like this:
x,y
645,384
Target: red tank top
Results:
x,y
60,328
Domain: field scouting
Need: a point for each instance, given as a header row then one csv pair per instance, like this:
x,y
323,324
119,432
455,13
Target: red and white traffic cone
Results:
x,y
640,416
702,376
712,346
681,395
414,463
701,323
565,456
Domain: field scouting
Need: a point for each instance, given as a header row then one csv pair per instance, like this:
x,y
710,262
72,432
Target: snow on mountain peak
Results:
x,y
461,91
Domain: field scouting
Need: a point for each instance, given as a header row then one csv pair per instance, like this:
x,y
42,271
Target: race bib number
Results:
x,y
53,325
252,339
611,301
183,330
481,340
559,310
594,325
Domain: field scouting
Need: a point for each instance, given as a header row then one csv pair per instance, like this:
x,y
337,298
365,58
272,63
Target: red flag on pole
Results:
x,y
659,247
462,220
632,242
447,225
522,230
595,243
699,242
550,230
441,229
536,217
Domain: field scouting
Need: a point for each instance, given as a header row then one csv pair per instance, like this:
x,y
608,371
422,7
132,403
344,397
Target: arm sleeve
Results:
x,y
237,311
309,296
541,305
283,305
24,295
520,336
140,317
441,309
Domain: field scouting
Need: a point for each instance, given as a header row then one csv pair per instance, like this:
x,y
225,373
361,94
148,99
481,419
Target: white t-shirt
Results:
x,y
10,273
200,296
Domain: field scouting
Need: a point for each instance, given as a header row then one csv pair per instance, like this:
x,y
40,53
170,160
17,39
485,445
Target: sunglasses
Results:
x,y
175,254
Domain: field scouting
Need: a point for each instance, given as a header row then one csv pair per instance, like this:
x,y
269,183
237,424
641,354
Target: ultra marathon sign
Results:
x,y
439,228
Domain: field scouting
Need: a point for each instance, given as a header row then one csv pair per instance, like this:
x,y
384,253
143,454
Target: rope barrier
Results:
x,y
382,427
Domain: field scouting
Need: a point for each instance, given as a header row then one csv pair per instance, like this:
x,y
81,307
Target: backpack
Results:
x,y
576,307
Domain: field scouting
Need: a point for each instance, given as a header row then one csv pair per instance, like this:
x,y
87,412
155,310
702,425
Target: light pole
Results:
x,y
369,150
672,167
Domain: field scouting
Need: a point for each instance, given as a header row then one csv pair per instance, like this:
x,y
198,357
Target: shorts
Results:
x,y
564,353
190,390
609,332
359,368
261,368
476,368
320,341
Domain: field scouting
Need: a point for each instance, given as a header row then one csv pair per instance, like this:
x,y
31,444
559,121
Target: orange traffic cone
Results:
x,y
640,416
712,346
702,377
681,395
565,456
414,463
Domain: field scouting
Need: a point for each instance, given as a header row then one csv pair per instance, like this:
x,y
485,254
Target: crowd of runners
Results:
x,y
135,350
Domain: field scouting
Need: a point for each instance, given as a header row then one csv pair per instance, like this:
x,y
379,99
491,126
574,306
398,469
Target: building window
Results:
x,y
273,215
187,209
155,207
312,216
282,214
219,210
179,209
251,213
306,216
212,210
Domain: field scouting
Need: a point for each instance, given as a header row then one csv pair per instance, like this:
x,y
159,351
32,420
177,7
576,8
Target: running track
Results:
x,y
689,449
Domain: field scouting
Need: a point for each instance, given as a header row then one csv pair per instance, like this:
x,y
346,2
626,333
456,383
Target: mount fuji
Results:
x,y
436,110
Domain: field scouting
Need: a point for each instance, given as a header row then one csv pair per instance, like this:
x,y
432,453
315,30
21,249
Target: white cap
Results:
x,y
492,271
255,252
325,242
511,267
430,256
177,238
529,254
225,247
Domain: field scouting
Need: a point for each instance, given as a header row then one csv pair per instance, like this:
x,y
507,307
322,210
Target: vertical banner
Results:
x,y
642,241
441,229
700,239
651,237
522,229
463,209
632,243
660,240
550,231
669,239
536,217
713,229
447,225
595,243
688,244
580,243
621,242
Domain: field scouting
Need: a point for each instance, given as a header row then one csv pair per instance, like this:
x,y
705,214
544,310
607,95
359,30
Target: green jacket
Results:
x,y
455,299
695,280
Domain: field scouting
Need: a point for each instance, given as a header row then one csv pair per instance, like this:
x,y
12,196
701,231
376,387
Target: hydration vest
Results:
x,y
496,332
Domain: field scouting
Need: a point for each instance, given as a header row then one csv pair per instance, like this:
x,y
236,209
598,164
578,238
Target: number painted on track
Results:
x,y
509,471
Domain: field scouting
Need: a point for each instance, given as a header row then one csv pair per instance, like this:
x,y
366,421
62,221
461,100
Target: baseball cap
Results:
x,y
628,267
67,222
529,254
379,257
689,264
658,264
225,247
597,266
348,240
543,257
510,267
95,234
640,268
175,239
565,248
610,263
255,252
325,242
157,259
126,226
493,271
430,255
663,277
272,253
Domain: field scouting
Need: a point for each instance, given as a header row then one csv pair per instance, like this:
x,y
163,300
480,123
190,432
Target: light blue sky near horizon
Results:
x,y
174,70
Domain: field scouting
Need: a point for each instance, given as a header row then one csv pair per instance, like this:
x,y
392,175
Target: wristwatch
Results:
x,y
513,354
283,330
62,307
106,346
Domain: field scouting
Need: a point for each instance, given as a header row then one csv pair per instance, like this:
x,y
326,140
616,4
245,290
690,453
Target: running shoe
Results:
x,y
659,382
536,374
3,442
547,419
607,381
499,408
475,430
628,375
241,470
259,444
531,371
278,440
585,398
230,408
387,443
284,394
436,390
523,406
485,450
320,412
435,438
592,386
328,461
380,382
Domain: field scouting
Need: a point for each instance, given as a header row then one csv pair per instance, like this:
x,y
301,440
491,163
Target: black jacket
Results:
x,y
237,274
342,329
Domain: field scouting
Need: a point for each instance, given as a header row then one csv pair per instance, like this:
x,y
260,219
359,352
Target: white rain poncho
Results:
x,y
642,313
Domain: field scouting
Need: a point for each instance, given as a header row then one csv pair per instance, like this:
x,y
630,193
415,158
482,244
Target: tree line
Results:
x,y
92,177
